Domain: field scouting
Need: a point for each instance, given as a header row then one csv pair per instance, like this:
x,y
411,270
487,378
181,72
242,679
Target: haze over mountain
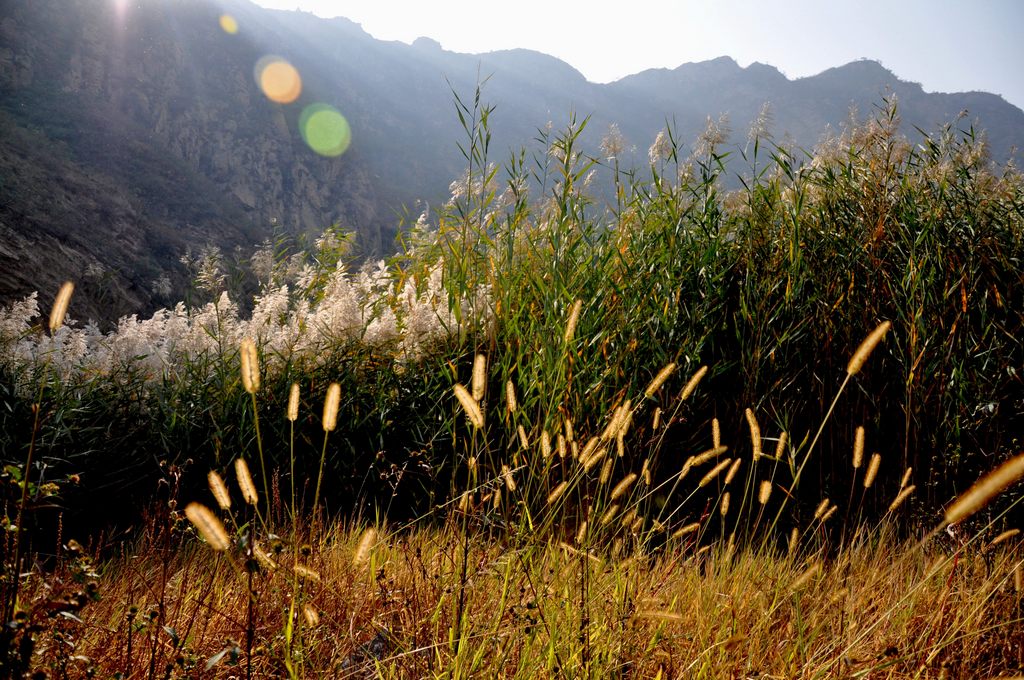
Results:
x,y
131,132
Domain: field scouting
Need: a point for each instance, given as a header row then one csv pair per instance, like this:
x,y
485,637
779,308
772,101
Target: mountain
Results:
x,y
132,132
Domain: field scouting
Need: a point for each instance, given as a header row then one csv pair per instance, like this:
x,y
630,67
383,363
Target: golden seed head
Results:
x,y
331,404
866,347
659,380
510,397
869,476
293,403
985,489
310,615
470,406
733,469
822,507
606,471
710,476
219,490
524,441
691,384
567,425
755,432
556,492
901,496
245,482
609,514
510,483
688,529
209,527
306,573
794,540
620,445
780,445
1005,536
562,450
497,499
545,444
366,544
581,533
724,507
250,366
906,477
716,434
656,418
479,377
263,558
806,576
593,459
60,306
828,515
858,448
765,492
705,456
623,485
574,319
619,422
589,448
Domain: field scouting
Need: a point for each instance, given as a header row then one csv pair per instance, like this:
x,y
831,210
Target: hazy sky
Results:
x,y
945,45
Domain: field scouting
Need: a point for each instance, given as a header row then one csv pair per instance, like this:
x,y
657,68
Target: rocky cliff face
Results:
x,y
131,132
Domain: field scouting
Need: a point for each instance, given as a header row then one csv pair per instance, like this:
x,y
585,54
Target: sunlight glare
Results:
x,y
228,24
279,80
325,130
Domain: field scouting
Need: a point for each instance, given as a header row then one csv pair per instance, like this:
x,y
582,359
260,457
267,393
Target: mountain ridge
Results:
x,y
154,131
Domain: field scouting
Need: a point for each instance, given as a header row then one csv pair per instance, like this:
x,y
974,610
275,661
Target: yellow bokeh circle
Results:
x,y
325,130
279,80
228,24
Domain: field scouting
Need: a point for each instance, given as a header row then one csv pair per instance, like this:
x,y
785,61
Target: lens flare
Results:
x,y
279,80
325,130
228,24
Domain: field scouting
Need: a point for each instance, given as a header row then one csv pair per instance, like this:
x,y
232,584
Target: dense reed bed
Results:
x,y
687,431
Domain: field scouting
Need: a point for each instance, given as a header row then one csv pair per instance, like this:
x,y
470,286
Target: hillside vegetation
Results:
x,y
693,432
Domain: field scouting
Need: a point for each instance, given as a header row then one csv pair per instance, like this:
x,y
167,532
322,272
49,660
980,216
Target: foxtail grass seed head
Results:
x,y
869,476
656,418
219,490
244,480
573,321
562,450
506,473
567,426
866,347
593,459
794,540
755,432
545,444
688,529
822,507
985,489
806,576
659,380
906,477
479,377
780,445
496,502
724,507
331,404
901,496
293,402
510,397
617,421
310,615
524,441
765,492
60,306
263,558
645,471
557,492
366,544
589,448
705,456
606,471
305,573
858,448
710,476
609,514
209,527
691,384
465,501
623,486
828,515
1003,537
716,434
250,366
469,405
620,446
733,469
581,533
